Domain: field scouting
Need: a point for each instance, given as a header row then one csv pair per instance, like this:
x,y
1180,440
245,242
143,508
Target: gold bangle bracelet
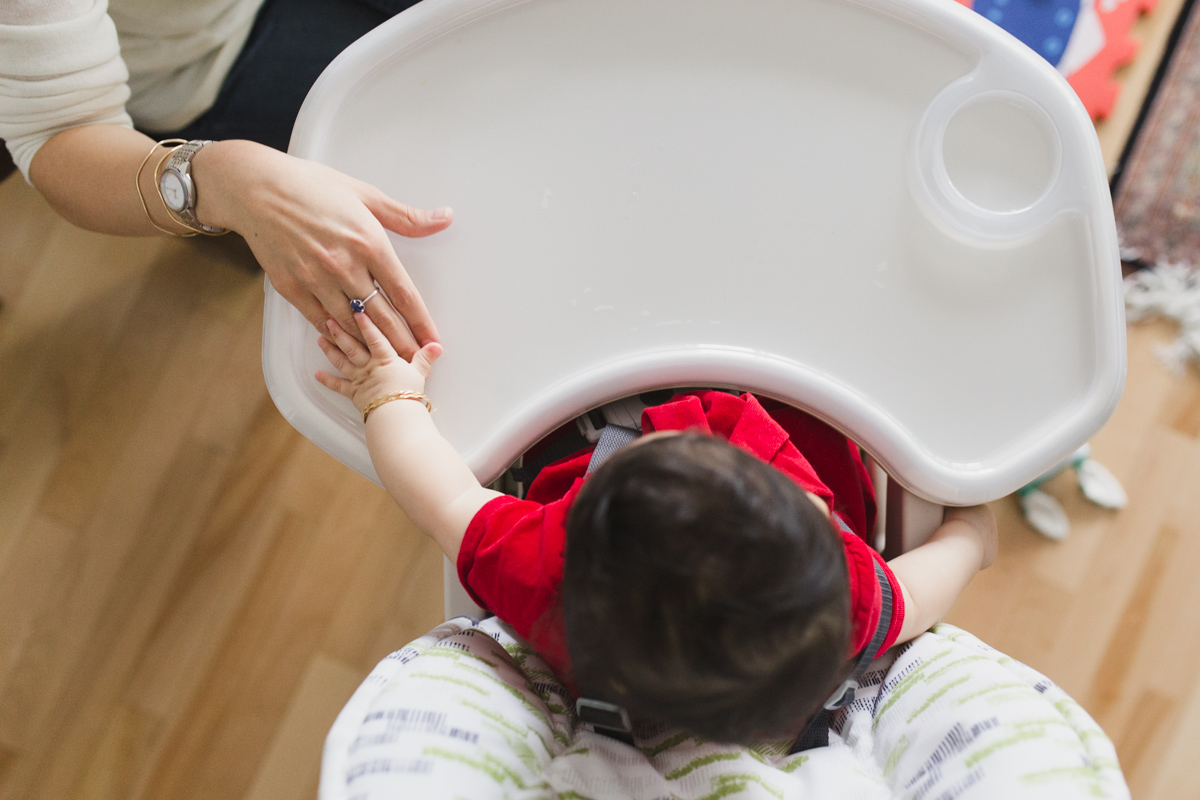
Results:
x,y
137,184
387,398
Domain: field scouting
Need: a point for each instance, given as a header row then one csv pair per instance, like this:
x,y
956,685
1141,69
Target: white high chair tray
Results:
x,y
889,212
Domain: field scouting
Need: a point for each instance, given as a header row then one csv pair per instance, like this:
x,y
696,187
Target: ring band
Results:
x,y
359,306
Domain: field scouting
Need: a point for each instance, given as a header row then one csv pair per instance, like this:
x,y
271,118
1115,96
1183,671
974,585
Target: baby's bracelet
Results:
x,y
387,398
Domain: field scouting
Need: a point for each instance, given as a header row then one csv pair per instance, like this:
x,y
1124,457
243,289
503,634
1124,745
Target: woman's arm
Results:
x,y
319,235
422,472
933,575
86,174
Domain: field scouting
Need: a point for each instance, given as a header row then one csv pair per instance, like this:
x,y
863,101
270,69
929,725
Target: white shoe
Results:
x,y
1045,515
1099,485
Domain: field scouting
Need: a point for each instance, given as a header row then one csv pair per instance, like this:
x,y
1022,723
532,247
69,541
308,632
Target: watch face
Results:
x,y
174,193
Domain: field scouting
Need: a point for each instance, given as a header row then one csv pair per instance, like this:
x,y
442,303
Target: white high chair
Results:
x,y
887,212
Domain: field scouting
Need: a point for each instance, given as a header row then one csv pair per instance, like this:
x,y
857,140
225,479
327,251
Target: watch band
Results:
x,y
180,162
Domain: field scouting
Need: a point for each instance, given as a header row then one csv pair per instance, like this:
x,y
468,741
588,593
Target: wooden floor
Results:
x,y
189,590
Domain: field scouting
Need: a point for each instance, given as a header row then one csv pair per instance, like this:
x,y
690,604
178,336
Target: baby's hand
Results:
x,y
981,519
374,370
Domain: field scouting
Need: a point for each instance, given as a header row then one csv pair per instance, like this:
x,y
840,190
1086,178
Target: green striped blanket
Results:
x,y
470,711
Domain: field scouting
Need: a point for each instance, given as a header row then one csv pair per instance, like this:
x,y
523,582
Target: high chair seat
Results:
x,y
469,710
888,212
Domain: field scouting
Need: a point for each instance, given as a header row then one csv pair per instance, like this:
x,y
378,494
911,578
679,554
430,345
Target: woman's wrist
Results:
x,y
218,170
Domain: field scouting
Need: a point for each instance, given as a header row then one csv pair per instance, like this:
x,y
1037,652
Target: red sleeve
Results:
x,y
866,597
556,480
511,563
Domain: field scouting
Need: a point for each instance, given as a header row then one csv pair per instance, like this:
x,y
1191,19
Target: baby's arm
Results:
x,y
933,575
419,468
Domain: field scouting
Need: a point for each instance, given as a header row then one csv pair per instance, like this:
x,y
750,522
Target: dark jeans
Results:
x,y
290,45
7,167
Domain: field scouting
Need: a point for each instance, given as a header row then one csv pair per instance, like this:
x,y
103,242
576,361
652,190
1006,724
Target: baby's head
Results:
x,y
703,588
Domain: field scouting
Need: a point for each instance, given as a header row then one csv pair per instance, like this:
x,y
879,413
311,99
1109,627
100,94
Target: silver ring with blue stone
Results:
x,y
359,306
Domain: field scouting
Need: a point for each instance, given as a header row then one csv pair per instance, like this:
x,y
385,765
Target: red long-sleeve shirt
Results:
x,y
511,560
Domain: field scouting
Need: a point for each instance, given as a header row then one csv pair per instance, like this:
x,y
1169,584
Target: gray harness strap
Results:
x,y
612,439
816,733
606,718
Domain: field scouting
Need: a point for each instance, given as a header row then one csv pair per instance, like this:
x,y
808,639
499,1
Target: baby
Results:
x,y
708,575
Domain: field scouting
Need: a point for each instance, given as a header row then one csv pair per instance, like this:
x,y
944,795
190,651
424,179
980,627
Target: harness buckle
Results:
x,y
608,719
843,695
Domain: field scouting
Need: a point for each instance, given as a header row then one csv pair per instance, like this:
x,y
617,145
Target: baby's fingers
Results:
x,y
339,385
377,343
355,352
335,356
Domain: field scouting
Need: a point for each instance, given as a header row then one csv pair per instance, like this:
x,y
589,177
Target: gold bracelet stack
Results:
x,y
387,398
172,145
137,184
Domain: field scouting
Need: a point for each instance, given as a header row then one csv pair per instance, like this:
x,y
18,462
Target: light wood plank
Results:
x,y
1177,770
127,745
291,766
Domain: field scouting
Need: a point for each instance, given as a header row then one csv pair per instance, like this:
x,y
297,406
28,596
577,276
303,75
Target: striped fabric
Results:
x,y
470,710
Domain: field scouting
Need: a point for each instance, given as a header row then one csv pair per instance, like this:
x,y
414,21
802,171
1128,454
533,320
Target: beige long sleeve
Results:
x,y
67,63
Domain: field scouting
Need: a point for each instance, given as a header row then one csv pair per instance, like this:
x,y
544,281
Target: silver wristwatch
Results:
x,y
178,190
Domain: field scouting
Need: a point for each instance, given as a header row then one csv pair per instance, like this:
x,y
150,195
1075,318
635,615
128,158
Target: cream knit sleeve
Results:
x,y
58,75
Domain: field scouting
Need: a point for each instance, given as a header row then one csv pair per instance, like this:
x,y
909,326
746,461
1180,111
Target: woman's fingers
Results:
x,y
336,304
305,302
392,326
417,327
405,219
414,223
354,351
352,276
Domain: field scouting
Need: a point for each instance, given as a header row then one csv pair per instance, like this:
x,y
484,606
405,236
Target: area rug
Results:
x,y
1157,199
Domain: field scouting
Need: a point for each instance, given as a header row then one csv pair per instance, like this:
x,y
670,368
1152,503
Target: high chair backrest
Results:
x,y
888,212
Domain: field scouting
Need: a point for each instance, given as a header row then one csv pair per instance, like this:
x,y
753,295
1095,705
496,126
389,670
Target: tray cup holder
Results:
x,y
989,164
1001,152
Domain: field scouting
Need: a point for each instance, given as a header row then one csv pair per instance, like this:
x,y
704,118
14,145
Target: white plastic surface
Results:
x,y
890,213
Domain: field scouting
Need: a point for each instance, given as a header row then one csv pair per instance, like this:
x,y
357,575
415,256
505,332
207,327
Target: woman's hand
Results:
x,y
318,233
320,237
374,370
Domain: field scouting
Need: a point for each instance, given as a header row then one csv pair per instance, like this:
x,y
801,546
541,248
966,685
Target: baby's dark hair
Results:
x,y
703,588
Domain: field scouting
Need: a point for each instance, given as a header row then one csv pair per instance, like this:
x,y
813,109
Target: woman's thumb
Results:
x,y
407,220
